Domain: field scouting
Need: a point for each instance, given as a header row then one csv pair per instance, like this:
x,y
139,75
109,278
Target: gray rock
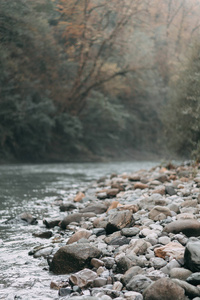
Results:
x,y
67,207
130,273
189,227
157,262
43,235
73,258
138,283
95,208
164,289
51,223
129,232
192,255
157,211
64,292
99,282
109,262
170,190
180,273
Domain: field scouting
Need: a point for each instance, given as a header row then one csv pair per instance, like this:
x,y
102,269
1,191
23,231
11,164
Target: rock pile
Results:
x,y
129,237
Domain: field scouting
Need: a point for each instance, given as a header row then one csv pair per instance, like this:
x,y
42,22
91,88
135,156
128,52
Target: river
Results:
x,y
33,188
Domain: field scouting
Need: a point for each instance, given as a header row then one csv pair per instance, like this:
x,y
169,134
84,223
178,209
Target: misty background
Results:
x,y
90,80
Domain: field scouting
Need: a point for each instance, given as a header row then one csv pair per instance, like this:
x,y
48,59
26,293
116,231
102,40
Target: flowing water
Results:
x,y
33,189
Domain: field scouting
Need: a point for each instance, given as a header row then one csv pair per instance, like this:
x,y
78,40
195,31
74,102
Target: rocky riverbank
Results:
x,y
129,236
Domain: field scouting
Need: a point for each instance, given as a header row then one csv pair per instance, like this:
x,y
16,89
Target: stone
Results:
x,y
99,282
51,223
138,247
157,262
171,265
65,292
192,255
96,263
164,289
82,233
133,208
117,286
189,227
112,192
73,258
162,178
108,262
76,217
194,278
154,214
190,290
170,190
164,240
133,296
171,250
129,232
83,278
95,208
123,264
119,220
140,185
180,273
67,207
138,283
130,273
79,197
43,235
99,231
27,217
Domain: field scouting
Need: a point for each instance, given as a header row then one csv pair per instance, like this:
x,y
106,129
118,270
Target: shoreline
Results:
x,y
127,236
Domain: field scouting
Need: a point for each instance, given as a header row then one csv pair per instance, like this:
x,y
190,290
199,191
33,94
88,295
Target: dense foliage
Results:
x,y
88,79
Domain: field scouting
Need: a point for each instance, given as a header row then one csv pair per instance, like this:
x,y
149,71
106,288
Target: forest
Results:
x,y
92,80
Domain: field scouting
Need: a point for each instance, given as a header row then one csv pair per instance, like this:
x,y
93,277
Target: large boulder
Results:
x,y
73,258
164,289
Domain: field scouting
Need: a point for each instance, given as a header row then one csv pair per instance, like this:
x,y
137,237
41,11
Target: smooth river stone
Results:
x,y
189,227
164,289
157,211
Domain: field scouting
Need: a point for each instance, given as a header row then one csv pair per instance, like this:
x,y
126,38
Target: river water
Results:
x,y
33,189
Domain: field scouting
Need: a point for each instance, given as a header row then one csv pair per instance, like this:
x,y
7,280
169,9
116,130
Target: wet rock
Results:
x,y
189,227
192,255
119,220
172,250
51,223
164,289
73,258
76,217
43,235
83,278
41,251
82,233
119,241
99,231
67,207
138,283
159,213
24,218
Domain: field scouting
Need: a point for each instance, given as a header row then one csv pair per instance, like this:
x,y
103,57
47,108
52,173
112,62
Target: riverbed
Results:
x,y
34,189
